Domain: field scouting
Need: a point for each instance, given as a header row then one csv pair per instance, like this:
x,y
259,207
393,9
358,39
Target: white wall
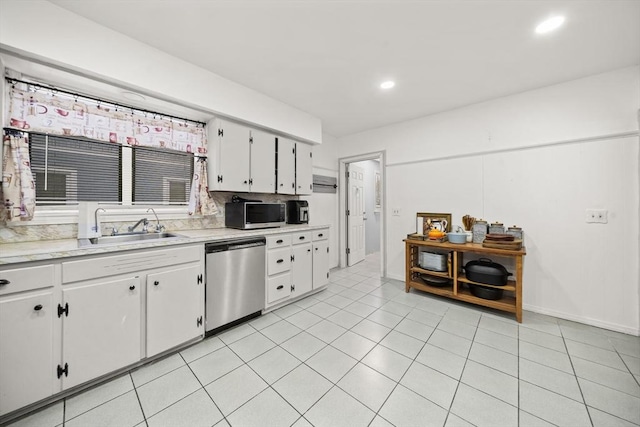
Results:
x,y
43,31
536,159
323,207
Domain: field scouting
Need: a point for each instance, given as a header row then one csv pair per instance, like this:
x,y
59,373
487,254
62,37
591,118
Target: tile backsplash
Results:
x,y
27,233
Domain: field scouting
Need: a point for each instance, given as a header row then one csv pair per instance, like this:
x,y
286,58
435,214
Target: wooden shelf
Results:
x,y
506,303
431,272
512,297
510,286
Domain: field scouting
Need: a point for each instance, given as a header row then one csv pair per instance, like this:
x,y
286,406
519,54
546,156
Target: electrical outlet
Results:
x,y
599,216
395,212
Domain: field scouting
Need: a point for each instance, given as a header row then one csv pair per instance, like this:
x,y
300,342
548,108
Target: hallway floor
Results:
x,y
365,353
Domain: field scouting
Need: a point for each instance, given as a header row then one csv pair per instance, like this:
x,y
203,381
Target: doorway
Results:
x,y
362,219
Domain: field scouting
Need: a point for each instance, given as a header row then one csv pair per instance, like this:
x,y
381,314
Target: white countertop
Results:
x,y
12,253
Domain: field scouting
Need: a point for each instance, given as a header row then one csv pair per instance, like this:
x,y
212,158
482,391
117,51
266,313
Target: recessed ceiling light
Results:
x,y
550,24
388,84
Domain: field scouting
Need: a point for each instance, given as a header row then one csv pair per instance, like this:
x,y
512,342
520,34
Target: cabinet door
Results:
x,y
301,269
286,166
234,157
263,162
27,365
278,287
174,308
320,263
101,330
304,169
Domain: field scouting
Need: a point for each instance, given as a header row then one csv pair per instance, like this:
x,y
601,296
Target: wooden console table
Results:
x,y
512,295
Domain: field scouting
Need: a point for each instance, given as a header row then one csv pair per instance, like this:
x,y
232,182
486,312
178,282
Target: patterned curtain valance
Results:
x,y
37,109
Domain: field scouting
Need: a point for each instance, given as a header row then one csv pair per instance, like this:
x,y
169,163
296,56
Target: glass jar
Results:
x,y
479,231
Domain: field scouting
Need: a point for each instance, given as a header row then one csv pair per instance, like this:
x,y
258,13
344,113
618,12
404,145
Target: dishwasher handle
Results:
x,y
245,245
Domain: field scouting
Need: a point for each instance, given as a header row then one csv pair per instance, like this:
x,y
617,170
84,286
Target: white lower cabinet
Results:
x,y
100,328
320,263
174,312
27,362
296,265
301,269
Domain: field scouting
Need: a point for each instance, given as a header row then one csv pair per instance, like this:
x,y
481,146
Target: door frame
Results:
x,y
343,203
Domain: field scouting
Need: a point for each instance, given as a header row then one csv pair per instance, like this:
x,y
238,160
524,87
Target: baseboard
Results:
x,y
562,315
581,319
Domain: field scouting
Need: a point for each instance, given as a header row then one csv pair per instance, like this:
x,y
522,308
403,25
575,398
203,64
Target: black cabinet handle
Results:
x,y
301,237
279,241
280,261
320,235
316,249
308,250
38,307
280,287
156,283
245,182
132,287
4,282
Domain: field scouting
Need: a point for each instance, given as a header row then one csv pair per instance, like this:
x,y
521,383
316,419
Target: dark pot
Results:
x,y
485,292
486,271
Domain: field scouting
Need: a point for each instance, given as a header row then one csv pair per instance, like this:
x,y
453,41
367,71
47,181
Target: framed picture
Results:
x,y
426,221
378,193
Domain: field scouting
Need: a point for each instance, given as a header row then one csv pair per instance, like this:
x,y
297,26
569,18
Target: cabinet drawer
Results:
x,y
278,241
278,260
300,237
128,262
278,287
24,279
320,234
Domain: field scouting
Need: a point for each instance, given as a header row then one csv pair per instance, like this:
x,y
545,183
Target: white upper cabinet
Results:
x,y
263,162
233,157
304,169
286,166
242,159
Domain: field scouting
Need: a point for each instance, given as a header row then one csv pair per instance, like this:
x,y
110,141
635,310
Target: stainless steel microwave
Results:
x,y
251,215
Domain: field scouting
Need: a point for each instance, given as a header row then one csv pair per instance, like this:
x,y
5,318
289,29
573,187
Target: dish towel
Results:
x,y
18,186
200,201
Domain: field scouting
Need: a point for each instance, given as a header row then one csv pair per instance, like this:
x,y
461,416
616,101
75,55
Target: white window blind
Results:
x,y
161,177
68,170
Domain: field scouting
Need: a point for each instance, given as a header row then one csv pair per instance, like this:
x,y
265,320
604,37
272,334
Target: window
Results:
x,y
160,176
69,170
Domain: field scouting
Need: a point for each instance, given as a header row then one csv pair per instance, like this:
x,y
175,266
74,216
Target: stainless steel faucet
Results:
x,y
159,227
144,222
95,215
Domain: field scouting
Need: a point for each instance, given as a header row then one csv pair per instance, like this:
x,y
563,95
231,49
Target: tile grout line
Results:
x,y
575,374
135,389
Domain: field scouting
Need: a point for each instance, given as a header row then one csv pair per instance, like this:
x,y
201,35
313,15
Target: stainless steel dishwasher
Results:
x,y
235,289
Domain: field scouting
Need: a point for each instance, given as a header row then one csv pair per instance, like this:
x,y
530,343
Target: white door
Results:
x,y
355,215
263,162
286,166
304,169
27,367
101,330
320,263
174,308
234,157
301,269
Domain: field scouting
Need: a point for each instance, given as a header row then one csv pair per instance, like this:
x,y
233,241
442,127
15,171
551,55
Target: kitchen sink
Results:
x,y
128,238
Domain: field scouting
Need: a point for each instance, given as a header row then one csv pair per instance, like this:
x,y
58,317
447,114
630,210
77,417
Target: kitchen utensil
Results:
x,y
485,292
468,221
496,228
457,237
435,281
513,246
486,271
479,231
433,261
496,237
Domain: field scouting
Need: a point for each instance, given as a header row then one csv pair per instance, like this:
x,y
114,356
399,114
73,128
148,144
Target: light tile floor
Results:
x,y
365,353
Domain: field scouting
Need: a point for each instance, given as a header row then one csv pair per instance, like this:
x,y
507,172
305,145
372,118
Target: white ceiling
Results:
x,y
328,57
